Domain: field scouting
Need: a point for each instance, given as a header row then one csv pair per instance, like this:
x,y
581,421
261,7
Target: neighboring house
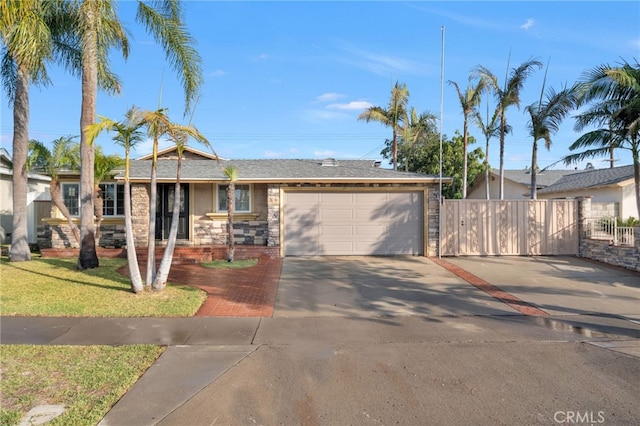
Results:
x,y
517,183
611,190
38,200
300,207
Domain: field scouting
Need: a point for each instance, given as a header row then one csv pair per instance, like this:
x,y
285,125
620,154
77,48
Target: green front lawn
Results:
x,y
54,287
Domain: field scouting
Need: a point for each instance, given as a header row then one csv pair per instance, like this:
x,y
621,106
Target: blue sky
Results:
x,y
289,79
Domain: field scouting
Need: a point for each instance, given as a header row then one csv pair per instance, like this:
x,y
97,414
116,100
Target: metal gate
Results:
x,y
509,227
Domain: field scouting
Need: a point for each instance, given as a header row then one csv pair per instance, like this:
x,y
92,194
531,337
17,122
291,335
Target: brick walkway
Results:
x,y
246,292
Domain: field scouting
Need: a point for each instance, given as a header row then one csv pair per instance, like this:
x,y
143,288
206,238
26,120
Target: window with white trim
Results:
x,y
243,198
112,199
71,197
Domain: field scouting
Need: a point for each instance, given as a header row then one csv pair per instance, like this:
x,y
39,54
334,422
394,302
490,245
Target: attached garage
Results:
x,y
351,222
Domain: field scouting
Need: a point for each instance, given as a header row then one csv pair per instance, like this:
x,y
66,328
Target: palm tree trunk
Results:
x,y
132,257
231,201
395,149
534,172
502,127
19,238
98,204
486,171
56,199
465,142
88,257
167,257
151,236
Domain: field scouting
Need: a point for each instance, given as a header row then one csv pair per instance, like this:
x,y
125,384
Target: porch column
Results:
x,y
584,213
273,215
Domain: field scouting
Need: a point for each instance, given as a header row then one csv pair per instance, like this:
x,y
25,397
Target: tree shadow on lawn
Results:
x,y
65,264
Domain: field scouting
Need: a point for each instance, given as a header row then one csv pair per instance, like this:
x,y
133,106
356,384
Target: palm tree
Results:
x,y
179,134
231,173
506,96
489,129
468,101
392,116
31,32
545,119
415,131
65,156
615,96
99,29
128,135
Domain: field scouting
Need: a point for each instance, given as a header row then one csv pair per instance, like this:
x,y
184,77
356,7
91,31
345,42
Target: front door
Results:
x,y
164,209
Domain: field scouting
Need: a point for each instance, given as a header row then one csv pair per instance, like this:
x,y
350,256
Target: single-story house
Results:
x,y
38,200
611,189
297,207
517,183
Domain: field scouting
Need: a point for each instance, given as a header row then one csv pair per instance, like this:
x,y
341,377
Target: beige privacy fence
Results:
x,y
509,227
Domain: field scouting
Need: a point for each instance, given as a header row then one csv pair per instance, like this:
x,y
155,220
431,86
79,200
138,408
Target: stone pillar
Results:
x,y
273,215
584,213
140,213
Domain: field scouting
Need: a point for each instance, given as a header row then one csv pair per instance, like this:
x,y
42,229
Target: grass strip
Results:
x,y
87,380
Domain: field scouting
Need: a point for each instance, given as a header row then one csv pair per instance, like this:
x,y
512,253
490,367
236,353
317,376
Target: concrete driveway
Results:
x,y
357,286
379,286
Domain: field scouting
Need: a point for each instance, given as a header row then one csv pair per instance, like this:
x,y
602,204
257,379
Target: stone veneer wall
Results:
x,y
627,256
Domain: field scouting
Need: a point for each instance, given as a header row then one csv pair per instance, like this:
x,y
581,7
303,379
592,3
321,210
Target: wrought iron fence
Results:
x,y
606,228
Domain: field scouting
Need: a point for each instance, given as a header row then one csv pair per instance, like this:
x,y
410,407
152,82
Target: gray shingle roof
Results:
x,y
274,170
590,179
543,179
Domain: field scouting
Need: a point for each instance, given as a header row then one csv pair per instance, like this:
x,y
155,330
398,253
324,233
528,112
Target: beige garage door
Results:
x,y
353,223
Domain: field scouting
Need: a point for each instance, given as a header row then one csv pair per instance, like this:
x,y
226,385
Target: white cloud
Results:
x,y
146,147
527,25
351,106
218,73
260,57
329,97
380,63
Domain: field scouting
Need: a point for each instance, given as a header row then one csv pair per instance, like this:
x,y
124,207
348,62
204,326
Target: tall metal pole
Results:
x,y
440,198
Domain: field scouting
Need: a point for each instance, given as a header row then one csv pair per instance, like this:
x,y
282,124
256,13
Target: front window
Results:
x,y
243,198
112,199
71,197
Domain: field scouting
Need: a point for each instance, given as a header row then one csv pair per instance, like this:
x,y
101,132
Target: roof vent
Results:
x,y
377,164
329,162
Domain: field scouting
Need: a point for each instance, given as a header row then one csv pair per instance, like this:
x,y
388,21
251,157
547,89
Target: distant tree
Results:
x,y
612,97
416,130
392,116
232,174
426,159
64,156
469,100
506,96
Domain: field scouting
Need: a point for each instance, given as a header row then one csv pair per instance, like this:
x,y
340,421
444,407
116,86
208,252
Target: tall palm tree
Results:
x,y
545,119
468,101
128,135
31,33
64,156
231,173
179,134
506,96
490,129
613,93
100,29
392,116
